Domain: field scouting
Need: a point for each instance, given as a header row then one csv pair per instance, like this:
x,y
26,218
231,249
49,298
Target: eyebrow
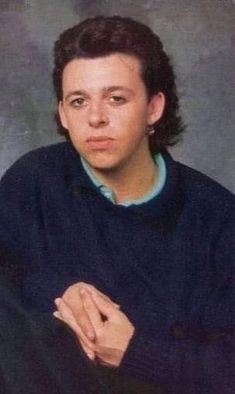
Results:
x,y
118,87
108,89
75,93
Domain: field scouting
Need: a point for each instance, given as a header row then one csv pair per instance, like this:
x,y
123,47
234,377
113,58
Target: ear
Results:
x,y
62,115
156,107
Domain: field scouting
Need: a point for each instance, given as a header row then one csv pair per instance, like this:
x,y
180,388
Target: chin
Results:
x,y
101,163
104,167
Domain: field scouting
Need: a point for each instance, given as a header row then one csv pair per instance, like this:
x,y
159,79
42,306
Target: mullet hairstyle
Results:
x,y
103,36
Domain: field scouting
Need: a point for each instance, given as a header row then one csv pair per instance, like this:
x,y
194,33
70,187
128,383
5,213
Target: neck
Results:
x,y
131,181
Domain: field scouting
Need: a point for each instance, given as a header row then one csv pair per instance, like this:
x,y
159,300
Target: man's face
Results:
x,y
106,110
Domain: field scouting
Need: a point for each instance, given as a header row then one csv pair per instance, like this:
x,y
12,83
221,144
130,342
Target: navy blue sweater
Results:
x,y
168,262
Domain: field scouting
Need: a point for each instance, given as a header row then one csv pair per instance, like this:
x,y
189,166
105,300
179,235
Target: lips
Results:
x,y
100,142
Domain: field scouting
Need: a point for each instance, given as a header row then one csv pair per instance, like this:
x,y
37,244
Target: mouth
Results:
x,y
100,142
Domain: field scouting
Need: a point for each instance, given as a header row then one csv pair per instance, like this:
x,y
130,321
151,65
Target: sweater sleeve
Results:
x,y
15,206
198,357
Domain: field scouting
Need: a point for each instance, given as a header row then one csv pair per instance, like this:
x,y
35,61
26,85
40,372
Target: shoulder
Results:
x,y
200,199
202,185
40,158
42,163
204,194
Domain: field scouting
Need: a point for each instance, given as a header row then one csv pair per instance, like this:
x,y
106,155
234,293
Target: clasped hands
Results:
x,y
102,329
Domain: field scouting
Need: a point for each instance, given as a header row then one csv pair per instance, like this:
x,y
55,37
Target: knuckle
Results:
x,y
84,322
91,287
87,304
74,288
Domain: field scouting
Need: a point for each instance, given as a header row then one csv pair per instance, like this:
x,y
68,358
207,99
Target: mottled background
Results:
x,y
196,34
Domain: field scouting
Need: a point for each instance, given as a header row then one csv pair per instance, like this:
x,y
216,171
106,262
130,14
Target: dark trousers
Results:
x,y
39,355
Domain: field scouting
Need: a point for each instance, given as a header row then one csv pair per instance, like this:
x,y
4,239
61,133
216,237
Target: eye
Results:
x,y
117,99
78,102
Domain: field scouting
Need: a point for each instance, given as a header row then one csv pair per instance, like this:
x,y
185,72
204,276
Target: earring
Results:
x,y
150,130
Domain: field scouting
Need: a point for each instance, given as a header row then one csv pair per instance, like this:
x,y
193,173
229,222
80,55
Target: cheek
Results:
x,y
128,115
130,124
138,113
75,120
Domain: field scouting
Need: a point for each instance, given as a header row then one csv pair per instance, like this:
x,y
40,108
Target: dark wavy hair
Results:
x,y
102,36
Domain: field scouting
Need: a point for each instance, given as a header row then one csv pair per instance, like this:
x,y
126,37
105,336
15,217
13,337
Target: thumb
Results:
x,y
104,306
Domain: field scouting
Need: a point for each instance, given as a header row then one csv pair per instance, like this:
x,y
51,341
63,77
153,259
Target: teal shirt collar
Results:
x,y
156,190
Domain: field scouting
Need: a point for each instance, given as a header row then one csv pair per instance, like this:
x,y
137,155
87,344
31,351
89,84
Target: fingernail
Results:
x,y
57,301
56,314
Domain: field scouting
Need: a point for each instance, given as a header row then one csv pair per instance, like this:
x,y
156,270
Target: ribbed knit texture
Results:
x,y
168,263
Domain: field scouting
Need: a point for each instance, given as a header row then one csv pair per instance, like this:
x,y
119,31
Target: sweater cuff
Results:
x,y
144,361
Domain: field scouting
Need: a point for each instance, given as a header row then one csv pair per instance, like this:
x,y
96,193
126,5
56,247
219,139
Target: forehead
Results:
x,y
116,69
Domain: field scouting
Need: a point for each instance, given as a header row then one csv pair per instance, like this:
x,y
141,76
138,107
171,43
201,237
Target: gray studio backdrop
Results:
x,y
196,33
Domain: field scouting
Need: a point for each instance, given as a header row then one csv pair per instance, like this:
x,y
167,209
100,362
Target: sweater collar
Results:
x,y
155,191
167,205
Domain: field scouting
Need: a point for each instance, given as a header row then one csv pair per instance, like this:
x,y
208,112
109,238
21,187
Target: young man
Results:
x,y
139,245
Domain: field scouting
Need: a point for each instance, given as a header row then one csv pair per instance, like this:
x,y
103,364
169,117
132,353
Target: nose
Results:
x,y
97,116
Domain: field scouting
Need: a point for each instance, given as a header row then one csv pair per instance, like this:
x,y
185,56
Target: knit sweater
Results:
x,y
167,262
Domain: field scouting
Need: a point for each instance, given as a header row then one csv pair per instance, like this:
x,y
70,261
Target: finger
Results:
x,y
66,315
105,307
91,309
90,353
57,315
74,289
79,313
94,290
